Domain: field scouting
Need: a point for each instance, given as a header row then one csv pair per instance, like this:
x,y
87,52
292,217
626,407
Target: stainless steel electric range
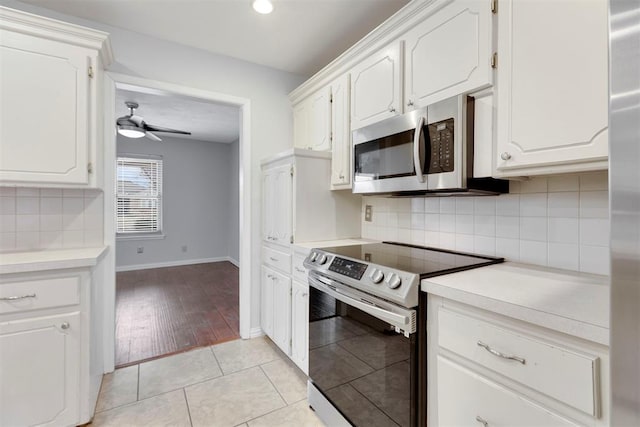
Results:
x,y
367,320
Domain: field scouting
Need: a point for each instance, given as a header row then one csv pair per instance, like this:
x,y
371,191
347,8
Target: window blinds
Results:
x,y
139,195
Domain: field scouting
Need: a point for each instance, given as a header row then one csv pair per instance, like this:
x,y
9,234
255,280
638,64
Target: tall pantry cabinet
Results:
x,y
297,207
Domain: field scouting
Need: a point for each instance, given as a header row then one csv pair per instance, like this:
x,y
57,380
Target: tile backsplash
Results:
x,y
41,219
560,221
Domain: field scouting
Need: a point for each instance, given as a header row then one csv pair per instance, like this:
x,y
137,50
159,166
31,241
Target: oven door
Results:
x,y
357,358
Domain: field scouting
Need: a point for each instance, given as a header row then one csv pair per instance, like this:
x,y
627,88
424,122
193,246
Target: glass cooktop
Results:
x,y
425,261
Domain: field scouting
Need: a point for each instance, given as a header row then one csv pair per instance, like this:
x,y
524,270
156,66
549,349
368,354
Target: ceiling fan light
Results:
x,y
130,131
263,6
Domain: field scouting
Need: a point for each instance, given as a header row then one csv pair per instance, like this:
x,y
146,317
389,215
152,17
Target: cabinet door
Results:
x,y
266,300
376,85
301,129
44,110
552,84
268,205
466,399
449,53
300,325
341,133
40,371
282,207
282,312
320,120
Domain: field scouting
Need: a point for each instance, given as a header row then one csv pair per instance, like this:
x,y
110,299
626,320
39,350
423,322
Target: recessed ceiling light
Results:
x,y
263,6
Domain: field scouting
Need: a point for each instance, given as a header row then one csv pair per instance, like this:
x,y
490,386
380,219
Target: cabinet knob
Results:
x,y
505,156
341,176
65,325
304,294
410,103
392,110
482,421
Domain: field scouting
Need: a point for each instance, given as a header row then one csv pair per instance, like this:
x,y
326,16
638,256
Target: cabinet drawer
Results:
x,y
299,272
563,374
276,259
39,293
467,399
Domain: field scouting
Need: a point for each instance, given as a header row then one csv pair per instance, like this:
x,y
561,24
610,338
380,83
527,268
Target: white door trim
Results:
x,y
115,81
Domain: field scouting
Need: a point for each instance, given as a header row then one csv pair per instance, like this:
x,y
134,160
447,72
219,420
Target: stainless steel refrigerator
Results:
x,y
624,190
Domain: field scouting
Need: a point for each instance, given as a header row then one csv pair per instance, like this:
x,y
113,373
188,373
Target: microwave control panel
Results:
x,y
440,143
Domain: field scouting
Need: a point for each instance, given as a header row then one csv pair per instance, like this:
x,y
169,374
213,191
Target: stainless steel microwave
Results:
x,y
426,151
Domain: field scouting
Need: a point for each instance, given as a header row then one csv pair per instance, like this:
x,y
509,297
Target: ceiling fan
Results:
x,y
133,126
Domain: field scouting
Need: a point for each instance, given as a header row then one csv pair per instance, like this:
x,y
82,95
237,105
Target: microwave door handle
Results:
x,y
418,148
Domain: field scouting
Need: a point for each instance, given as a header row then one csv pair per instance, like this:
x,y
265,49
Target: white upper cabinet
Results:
x,y
312,122
552,86
449,53
376,86
49,108
341,134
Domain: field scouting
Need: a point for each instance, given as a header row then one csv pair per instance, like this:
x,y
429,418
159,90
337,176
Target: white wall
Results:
x,y
560,221
196,206
267,88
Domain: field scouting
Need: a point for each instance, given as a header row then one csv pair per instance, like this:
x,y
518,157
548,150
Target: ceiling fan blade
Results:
x,y
155,128
151,136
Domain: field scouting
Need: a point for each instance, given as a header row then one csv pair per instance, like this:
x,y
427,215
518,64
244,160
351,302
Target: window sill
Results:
x,y
140,236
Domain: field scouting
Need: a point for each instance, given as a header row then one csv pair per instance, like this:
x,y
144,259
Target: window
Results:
x,y
139,195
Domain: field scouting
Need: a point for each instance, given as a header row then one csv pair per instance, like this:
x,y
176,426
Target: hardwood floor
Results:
x,y
170,310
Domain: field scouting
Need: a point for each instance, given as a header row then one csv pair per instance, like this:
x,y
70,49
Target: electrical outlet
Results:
x,y
140,249
368,213
184,248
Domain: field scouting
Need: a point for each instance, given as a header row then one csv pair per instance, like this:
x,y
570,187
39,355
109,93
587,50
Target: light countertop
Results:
x,y
22,262
572,303
333,243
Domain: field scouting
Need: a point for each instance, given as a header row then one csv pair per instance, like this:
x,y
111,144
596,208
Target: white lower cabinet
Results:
x,y
40,371
276,307
50,364
488,369
468,399
300,325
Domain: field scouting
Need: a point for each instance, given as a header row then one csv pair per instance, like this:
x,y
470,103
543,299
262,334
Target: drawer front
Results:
x,y
36,294
560,373
299,272
467,399
276,259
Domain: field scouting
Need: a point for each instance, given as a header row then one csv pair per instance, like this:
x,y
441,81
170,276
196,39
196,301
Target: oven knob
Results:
x,y
394,281
376,275
322,258
313,256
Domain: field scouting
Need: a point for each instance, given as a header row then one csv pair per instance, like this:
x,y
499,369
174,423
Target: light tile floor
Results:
x,y
247,383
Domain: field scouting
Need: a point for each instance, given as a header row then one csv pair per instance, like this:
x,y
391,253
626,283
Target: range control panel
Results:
x,y
440,150
348,268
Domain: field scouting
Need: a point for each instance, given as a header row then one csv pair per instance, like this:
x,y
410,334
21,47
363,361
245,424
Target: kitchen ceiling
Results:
x,y
206,121
300,36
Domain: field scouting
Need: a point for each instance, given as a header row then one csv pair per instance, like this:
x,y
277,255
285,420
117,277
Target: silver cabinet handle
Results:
x,y
410,103
304,294
300,270
273,259
13,298
392,110
482,421
497,353
65,325
341,176
505,156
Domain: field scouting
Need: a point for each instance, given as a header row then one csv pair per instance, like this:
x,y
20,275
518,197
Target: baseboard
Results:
x,y
233,261
175,263
256,332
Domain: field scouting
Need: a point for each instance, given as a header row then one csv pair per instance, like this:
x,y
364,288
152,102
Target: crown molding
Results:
x,y
53,29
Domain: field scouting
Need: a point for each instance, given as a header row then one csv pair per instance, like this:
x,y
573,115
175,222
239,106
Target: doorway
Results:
x,y
191,265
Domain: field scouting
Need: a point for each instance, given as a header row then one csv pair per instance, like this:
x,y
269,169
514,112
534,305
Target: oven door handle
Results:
x,y
404,321
418,149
